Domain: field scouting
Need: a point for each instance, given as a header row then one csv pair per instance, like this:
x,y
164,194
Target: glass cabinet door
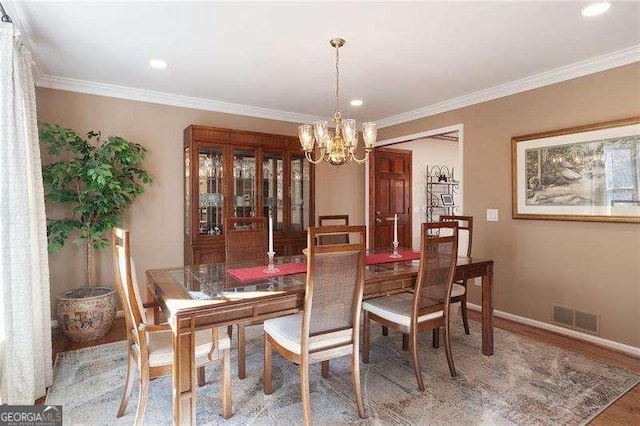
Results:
x,y
244,183
272,188
299,193
210,189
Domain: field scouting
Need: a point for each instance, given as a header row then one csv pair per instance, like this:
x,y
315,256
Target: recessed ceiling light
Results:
x,y
595,9
157,64
356,102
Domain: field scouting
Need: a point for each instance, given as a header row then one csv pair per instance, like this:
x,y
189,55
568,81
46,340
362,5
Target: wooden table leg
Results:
x,y
184,404
487,310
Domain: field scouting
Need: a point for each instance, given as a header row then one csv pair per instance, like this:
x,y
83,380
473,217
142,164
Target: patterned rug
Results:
x,y
526,382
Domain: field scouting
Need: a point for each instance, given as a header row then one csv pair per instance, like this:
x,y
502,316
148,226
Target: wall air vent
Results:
x,y
577,320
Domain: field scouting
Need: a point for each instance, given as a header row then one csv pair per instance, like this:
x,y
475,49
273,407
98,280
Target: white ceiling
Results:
x,y
274,60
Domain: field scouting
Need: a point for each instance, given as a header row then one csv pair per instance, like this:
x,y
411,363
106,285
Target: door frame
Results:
x,y
408,138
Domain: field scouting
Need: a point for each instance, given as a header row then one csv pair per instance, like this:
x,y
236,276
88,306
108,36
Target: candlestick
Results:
x,y
270,269
395,253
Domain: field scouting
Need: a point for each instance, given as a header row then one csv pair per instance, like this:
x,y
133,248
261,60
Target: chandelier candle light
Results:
x,y
339,148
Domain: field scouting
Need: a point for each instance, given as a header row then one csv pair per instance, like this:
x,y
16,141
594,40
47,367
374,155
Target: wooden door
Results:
x,y
389,194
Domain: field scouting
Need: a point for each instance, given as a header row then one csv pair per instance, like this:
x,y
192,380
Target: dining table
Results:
x,y
203,296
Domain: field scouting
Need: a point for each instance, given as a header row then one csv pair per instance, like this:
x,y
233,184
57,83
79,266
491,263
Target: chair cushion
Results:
x,y
287,332
396,308
458,290
161,349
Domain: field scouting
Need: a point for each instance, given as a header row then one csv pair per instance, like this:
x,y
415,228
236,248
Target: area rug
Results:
x,y
526,383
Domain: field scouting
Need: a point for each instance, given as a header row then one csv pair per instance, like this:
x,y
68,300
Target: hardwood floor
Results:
x,y
624,411
62,344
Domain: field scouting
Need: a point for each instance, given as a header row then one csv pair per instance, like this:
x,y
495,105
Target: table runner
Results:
x,y
256,273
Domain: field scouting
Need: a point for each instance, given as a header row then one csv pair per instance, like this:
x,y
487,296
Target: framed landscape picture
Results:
x,y
587,173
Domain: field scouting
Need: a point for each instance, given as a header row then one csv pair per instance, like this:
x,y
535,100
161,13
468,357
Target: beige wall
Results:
x,y
592,267
156,218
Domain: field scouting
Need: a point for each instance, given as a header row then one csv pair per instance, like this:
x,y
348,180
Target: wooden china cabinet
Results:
x,y
233,173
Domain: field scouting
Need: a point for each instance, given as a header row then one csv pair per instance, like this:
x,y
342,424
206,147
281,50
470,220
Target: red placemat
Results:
x,y
256,273
373,259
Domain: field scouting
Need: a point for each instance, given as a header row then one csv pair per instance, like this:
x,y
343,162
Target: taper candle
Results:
x,y
270,234
395,228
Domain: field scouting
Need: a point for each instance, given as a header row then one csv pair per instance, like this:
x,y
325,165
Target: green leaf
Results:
x,y
97,180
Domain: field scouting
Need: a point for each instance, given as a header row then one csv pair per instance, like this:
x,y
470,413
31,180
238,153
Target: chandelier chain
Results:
x,y
337,79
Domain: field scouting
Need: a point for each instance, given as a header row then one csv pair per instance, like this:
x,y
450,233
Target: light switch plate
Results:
x,y
492,215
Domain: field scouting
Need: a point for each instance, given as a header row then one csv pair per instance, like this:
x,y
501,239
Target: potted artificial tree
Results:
x,y
97,180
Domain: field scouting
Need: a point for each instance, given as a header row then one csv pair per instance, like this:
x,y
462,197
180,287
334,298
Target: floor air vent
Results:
x,y
577,320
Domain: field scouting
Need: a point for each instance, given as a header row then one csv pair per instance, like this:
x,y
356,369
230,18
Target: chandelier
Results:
x,y
338,148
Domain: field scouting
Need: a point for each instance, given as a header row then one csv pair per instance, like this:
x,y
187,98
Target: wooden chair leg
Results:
x,y
304,390
355,376
447,349
365,337
436,338
227,404
385,330
242,356
325,369
416,362
143,395
201,379
405,342
463,310
128,384
267,385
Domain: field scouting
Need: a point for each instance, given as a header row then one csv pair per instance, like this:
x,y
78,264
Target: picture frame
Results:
x,y
447,199
586,173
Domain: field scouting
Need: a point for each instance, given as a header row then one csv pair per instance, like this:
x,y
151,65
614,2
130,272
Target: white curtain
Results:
x,y
25,313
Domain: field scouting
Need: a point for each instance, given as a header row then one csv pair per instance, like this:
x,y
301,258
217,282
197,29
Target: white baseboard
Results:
x,y
54,323
631,350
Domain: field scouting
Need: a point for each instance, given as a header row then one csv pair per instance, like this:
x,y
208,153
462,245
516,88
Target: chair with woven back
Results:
x,y
333,220
149,345
245,241
329,325
459,289
427,308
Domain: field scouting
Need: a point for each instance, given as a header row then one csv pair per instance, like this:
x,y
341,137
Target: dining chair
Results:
x,y
245,240
149,345
332,220
459,290
427,308
328,326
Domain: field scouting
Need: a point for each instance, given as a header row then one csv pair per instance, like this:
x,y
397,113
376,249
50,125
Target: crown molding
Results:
x,y
578,69
142,95
557,75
